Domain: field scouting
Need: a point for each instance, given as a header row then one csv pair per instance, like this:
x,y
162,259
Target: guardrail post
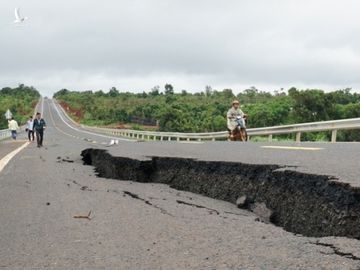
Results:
x,y
161,138
333,135
177,139
213,139
298,136
169,138
270,137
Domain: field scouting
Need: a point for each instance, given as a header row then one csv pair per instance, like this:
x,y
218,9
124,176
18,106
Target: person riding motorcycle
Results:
x,y
235,117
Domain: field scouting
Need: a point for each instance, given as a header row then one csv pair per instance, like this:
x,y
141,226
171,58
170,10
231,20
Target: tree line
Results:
x,y
20,100
205,111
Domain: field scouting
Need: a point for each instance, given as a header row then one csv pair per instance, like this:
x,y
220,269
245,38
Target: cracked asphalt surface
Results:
x,y
135,225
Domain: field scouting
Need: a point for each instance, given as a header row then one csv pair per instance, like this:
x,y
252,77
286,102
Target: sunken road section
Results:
x,y
307,204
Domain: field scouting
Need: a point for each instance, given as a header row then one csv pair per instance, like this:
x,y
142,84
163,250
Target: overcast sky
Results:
x,y
136,44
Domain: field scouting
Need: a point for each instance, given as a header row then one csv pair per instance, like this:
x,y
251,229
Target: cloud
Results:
x,y
133,44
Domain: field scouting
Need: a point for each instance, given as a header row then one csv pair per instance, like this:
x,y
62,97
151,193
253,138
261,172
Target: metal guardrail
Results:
x,y
333,126
4,134
298,129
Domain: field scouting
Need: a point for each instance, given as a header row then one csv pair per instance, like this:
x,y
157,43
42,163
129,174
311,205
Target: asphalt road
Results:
x,y
339,160
7,146
41,190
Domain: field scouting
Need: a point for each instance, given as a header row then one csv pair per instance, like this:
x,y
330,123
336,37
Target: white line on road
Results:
x,y
42,107
87,132
190,142
4,161
292,148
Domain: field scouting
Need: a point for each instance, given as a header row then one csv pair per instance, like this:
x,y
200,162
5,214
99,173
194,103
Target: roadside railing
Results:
x,y
297,129
4,134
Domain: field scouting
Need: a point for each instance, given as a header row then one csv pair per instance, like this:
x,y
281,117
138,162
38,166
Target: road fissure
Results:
x,y
307,204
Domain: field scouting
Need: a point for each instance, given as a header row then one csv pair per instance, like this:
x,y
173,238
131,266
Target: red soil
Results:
x,y
78,114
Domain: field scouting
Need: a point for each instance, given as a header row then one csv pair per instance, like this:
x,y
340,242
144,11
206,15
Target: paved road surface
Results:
x,y
41,190
340,160
7,146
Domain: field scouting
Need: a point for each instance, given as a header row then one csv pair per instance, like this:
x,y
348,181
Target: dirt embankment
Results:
x,y
311,205
78,114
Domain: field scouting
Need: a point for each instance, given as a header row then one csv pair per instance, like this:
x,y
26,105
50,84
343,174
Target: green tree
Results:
x,y
113,92
169,89
155,91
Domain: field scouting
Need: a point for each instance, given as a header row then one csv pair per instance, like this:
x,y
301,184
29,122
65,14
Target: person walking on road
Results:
x,y
39,126
30,129
13,126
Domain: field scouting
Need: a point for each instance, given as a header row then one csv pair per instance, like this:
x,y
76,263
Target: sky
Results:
x,y
134,45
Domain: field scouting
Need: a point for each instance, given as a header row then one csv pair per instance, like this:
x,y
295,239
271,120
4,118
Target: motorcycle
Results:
x,y
239,133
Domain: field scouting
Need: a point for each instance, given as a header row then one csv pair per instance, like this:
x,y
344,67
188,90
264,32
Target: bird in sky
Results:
x,y
18,18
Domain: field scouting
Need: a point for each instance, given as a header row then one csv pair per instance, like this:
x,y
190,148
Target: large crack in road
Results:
x,y
337,251
307,204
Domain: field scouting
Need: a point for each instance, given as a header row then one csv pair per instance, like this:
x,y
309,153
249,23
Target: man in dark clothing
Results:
x,y
39,126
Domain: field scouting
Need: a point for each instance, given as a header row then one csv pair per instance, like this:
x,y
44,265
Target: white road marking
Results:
x,y
292,148
5,160
88,132
190,142
42,107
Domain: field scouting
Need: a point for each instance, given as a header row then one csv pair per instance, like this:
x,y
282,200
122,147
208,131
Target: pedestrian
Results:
x,y
13,126
30,129
39,126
